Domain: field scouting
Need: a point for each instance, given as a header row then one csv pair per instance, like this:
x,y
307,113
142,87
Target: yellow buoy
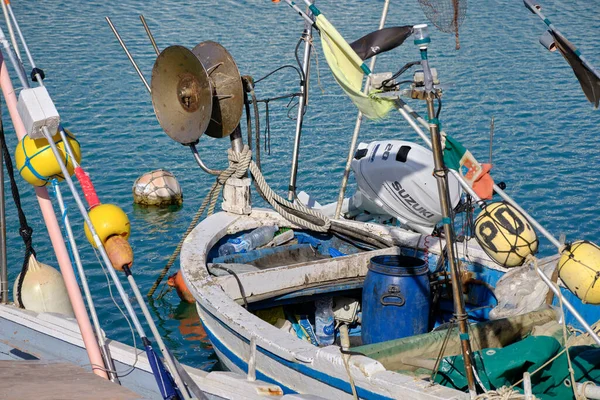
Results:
x,y
579,269
36,162
108,220
505,234
43,290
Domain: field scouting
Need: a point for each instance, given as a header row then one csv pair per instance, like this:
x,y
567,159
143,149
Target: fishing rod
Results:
x,y
11,32
161,377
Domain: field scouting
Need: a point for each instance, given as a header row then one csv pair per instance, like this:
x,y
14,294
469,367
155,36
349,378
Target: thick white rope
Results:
x,y
241,162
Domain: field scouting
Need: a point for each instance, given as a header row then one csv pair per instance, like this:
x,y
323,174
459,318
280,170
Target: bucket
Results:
x,y
395,299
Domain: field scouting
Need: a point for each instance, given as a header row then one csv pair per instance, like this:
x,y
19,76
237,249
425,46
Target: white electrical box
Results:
x,y
419,77
345,309
37,110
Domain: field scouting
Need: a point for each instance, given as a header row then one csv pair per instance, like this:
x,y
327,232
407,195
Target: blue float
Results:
x,y
395,299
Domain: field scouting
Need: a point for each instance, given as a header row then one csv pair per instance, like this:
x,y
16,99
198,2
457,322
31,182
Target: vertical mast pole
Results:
x,y
302,103
441,174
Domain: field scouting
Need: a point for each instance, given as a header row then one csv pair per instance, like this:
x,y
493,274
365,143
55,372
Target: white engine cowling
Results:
x,y
397,177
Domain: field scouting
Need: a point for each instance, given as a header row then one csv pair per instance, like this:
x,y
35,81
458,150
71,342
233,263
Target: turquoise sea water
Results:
x,y
546,133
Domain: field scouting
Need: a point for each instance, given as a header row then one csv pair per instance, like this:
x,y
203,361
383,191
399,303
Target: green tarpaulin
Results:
x,y
499,367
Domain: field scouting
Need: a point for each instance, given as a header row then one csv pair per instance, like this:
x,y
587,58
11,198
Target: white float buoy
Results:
x,y
43,290
157,188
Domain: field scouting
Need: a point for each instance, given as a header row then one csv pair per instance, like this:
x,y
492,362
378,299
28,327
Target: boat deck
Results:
x,y
42,380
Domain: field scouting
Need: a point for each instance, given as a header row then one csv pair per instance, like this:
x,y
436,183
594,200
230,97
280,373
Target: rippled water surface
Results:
x,y
546,133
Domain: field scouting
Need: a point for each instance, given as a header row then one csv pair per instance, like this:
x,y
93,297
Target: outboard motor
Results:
x,y
396,178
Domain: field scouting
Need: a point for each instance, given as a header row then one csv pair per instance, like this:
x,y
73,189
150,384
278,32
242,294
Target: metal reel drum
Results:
x,y
228,91
181,94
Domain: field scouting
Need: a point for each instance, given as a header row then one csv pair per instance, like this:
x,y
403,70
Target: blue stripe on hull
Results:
x,y
335,383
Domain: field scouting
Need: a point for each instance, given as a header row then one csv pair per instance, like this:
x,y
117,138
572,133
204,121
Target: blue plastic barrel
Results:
x,y
395,299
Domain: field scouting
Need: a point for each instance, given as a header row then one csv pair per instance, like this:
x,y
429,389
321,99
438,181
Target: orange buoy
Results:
x,y
119,251
176,281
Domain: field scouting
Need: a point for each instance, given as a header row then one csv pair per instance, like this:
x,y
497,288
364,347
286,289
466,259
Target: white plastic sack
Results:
x,y
521,290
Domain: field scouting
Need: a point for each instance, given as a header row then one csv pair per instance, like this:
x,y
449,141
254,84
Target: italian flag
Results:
x,y
477,175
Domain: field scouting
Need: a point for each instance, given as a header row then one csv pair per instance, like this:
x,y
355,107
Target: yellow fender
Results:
x,y
108,220
36,162
579,269
505,234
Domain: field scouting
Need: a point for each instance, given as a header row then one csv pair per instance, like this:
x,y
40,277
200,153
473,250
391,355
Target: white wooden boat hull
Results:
x,y
281,358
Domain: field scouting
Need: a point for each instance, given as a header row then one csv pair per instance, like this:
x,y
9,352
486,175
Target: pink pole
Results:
x,y
89,339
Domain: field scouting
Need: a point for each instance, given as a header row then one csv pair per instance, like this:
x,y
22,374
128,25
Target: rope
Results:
x,y
503,393
281,205
441,353
211,193
24,229
346,358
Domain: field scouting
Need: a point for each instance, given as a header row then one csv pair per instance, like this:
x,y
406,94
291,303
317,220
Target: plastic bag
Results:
x,y
521,290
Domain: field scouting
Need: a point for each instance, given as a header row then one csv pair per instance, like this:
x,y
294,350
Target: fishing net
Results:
x,y
157,188
446,15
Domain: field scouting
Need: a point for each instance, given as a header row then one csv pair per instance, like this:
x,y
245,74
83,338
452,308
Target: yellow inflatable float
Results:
x,y
579,269
36,162
505,234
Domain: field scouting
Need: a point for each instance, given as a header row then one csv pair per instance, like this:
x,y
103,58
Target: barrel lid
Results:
x,y
398,265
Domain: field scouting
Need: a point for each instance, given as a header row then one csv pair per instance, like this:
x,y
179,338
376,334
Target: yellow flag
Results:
x,y
348,70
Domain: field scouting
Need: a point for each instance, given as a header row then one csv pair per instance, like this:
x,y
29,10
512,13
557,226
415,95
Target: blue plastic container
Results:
x,y
395,299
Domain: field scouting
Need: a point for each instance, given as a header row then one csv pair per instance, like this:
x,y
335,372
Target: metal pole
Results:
x,y
104,349
457,294
441,174
567,304
404,110
149,33
532,6
161,345
302,103
94,352
137,69
352,149
12,16
237,143
11,33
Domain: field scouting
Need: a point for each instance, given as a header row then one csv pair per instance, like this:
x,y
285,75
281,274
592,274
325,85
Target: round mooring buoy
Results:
x,y
157,188
43,290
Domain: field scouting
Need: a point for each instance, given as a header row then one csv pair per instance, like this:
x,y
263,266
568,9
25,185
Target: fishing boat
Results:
x,y
462,327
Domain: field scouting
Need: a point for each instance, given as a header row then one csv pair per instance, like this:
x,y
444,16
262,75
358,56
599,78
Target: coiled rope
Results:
x,y
239,164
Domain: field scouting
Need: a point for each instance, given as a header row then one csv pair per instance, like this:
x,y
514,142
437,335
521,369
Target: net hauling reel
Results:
x,y
197,91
